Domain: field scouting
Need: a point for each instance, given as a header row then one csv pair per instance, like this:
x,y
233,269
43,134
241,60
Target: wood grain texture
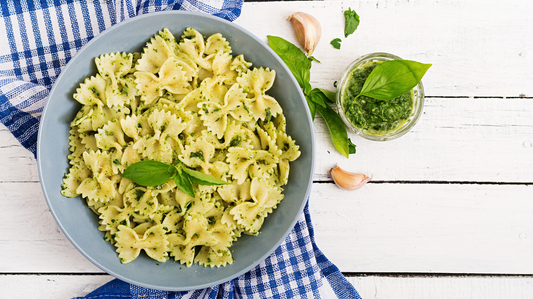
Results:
x,y
439,287
425,228
477,47
371,286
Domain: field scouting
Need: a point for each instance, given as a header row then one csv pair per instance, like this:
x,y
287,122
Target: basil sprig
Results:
x,y
155,173
393,78
300,65
318,99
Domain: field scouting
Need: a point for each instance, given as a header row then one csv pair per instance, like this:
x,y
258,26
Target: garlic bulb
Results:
x,y
348,180
307,29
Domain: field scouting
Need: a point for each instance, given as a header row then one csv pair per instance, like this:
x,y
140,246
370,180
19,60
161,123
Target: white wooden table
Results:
x,y
449,213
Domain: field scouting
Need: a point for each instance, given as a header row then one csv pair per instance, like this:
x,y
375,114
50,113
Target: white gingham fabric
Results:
x,y
38,38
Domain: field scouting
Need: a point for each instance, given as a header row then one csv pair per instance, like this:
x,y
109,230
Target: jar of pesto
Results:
x,y
371,118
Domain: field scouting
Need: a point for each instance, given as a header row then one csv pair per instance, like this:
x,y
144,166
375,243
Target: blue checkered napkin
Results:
x,y
38,38
297,269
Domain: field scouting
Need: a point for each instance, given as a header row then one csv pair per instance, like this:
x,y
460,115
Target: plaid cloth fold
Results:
x,y
40,37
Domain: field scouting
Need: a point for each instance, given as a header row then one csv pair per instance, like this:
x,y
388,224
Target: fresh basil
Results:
x,y
351,147
336,129
336,43
294,58
351,22
149,173
330,95
183,182
317,99
199,178
154,173
312,107
393,78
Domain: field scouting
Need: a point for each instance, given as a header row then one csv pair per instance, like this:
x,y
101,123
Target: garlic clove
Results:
x,y
348,180
308,30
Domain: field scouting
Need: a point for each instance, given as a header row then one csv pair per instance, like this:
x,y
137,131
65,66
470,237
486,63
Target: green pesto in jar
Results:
x,y
373,116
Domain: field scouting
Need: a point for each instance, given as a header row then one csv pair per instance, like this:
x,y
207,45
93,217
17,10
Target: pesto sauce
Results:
x,y
373,116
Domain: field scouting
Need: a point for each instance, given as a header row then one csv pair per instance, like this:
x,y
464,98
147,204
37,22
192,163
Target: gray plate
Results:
x,y
80,224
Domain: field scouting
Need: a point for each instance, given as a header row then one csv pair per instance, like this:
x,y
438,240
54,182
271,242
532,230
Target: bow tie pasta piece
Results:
x,y
153,242
113,68
275,137
213,90
111,135
195,233
217,43
257,82
198,154
161,47
193,44
189,101
215,116
92,91
76,175
173,76
222,63
101,186
235,193
219,254
240,65
240,159
164,143
250,215
112,216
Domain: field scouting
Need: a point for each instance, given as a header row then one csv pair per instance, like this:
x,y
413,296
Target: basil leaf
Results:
x,y
312,107
351,146
330,95
149,173
183,182
336,128
294,58
200,178
336,43
351,21
393,78
318,97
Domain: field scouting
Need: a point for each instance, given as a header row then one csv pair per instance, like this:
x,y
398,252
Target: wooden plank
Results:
x,y
456,139
31,240
50,286
16,163
372,286
439,287
424,228
471,54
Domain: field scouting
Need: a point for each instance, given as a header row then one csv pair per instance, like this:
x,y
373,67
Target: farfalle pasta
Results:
x,y
186,100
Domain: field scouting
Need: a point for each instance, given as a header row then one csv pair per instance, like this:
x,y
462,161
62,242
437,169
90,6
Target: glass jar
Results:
x,y
397,128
